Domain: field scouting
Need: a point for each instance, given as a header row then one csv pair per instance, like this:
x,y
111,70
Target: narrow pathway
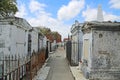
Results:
x,y
59,68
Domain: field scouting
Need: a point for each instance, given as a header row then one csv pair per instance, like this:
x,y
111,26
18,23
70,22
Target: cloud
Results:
x,y
39,17
53,24
115,4
71,10
36,6
43,18
90,14
110,17
22,11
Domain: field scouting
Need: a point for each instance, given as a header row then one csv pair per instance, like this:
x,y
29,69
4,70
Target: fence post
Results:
x,y
9,66
36,60
3,68
18,68
12,67
30,67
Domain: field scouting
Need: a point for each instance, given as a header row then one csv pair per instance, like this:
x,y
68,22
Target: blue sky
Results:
x,y
59,15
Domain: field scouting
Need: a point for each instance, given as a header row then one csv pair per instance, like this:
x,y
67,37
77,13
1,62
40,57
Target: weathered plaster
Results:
x,y
103,58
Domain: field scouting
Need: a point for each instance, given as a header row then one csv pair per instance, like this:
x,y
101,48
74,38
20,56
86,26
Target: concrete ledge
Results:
x,y
77,73
42,73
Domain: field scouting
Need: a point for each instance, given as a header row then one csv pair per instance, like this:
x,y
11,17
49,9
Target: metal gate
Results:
x,y
68,51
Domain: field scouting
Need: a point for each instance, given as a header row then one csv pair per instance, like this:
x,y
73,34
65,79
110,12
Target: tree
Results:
x,y
8,7
51,35
45,30
56,36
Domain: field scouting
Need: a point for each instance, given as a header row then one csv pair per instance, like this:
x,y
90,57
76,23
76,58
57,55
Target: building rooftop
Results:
x,y
20,22
76,26
101,25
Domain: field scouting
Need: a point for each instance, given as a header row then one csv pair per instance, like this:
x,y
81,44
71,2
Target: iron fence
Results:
x,y
14,67
74,52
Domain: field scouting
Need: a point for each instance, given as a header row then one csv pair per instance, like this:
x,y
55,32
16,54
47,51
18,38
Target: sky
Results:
x,y
59,15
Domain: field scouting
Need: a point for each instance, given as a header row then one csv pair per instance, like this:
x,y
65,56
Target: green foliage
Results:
x,y
55,34
45,31
8,7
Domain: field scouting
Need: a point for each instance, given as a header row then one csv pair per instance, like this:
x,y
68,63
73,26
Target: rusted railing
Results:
x,y
14,67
